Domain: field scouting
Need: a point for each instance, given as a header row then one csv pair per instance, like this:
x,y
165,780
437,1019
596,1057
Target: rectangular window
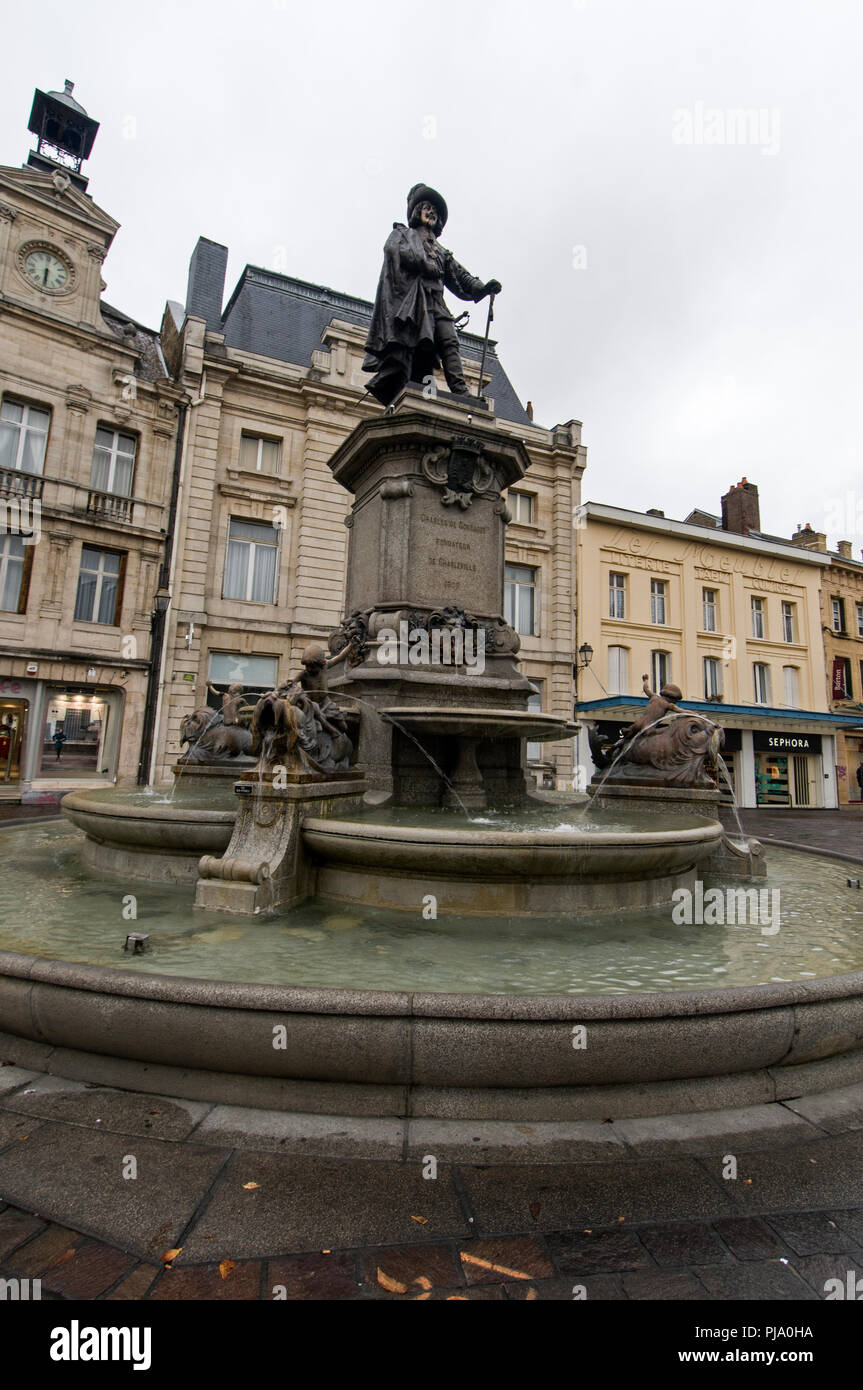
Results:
x,y
660,670
658,601
838,613
618,671
712,677
251,562
521,608
709,604
761,680
522,505
791,687
842,689
100,586
23,436
789,624
757,617
15,559
860,620
533,751
617,595
259,454
113,462
233,668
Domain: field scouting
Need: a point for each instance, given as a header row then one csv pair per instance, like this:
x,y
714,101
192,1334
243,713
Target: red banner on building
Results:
x,y
840,691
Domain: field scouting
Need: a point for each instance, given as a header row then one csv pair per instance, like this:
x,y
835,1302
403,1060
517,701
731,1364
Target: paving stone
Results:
x,y
598,1288
715,1131
92,1269
768,1280
230,1126
120,1112
305,1204
76,1175
308,1277
580,1253
135,1286
661,1284
833,1111
817,1269
495,1261
426,1266
748,1238
45,1250
205,1283
593,1194
683,1243
849,1219
13,1077
16,1129
811,1233
804,1177
501,1141
16,1227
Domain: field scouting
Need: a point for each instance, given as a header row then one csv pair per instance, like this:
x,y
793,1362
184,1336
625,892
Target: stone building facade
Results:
x,y
842,628
88,420
274,385
729,614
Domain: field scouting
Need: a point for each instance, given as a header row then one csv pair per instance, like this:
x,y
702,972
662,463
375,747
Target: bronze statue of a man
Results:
x,y
412,331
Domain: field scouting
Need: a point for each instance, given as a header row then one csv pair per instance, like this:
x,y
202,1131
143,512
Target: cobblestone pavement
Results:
x,y
834,832
787,1256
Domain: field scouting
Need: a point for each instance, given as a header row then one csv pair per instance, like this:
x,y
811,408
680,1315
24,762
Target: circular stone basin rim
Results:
x,y
185,989
425,835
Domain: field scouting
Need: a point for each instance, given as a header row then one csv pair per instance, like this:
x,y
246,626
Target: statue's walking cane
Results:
x,y
485,343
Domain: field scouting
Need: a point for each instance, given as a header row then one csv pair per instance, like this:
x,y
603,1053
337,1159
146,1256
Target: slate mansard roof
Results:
x,y
276,316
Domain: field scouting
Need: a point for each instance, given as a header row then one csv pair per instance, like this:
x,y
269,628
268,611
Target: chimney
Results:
x,y
809,539
740,511
654,511
529,410
207,282
844,548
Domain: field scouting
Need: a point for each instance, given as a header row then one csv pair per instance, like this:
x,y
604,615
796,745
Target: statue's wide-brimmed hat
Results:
x,y
421,193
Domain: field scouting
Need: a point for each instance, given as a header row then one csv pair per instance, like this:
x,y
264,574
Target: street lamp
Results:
x,y
161,604
585,654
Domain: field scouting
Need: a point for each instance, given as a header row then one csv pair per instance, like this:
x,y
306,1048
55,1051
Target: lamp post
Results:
x,y
161,604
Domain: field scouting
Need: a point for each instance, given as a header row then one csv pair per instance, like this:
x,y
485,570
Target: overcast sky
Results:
x,y
684,280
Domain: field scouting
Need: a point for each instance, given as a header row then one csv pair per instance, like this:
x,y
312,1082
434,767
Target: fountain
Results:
x,y
380,799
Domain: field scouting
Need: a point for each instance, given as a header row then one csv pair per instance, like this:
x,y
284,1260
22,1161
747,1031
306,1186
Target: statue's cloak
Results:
x,y
400,342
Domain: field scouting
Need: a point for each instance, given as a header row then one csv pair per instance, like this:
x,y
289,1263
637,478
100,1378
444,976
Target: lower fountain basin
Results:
x,y
543,871
547,1026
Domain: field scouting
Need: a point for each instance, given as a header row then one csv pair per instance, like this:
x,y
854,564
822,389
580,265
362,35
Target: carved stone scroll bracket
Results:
x,y
265,865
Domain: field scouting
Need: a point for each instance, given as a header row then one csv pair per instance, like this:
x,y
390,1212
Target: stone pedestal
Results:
x,y
264,865
425,598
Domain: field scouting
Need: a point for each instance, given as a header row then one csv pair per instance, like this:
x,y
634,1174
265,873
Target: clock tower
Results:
x,y
53,237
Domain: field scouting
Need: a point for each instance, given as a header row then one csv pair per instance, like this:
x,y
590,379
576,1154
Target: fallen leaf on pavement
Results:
x,y
248,1186
225,1268
420,1220
535,1209
170,1255
391,1285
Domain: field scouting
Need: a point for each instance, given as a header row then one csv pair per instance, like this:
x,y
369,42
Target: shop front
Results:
x,y
56,734
788,768
75,734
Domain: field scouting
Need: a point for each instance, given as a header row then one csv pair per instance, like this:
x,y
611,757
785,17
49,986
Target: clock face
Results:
x,y
46,271
47,268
